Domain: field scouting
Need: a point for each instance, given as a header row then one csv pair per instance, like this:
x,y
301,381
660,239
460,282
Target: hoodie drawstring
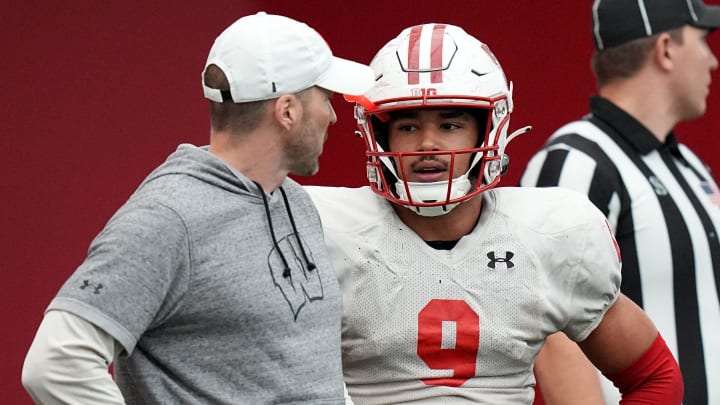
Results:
x,y
310,265
286,272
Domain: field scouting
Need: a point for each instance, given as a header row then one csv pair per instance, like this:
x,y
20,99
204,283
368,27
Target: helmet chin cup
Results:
x,y
418,194
432,211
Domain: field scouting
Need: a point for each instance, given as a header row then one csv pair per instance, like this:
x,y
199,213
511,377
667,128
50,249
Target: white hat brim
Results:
x,y
346,77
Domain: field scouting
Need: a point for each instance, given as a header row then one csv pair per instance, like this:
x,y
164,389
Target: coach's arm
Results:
x,y
68,363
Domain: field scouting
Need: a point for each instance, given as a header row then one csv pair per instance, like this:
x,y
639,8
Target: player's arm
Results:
x,y
565,375
628,350
68,362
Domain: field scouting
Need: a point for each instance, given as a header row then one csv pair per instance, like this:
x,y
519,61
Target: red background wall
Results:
x,y
95,94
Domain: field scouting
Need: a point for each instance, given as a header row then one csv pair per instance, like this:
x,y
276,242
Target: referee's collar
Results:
x,y
628,127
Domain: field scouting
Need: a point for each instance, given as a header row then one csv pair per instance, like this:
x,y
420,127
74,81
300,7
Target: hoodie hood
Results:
x,y
197,162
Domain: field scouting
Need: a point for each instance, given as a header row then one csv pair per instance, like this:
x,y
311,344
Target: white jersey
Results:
x,y
422,325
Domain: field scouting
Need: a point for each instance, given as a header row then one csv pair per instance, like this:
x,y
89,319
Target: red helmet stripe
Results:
x,y
414,55
436,53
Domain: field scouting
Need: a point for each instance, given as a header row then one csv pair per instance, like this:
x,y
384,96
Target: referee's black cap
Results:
x,y
616,22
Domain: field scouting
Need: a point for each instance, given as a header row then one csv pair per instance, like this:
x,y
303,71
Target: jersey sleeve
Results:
x,y
596,281
577,163
134,273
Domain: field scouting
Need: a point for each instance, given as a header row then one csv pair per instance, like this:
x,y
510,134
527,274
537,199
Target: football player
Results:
x,y
451,285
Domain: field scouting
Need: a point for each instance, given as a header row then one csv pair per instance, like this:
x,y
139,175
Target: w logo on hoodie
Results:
x,y
299,281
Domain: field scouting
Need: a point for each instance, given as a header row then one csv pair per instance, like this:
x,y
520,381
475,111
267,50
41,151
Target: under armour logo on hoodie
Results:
x,y
96,287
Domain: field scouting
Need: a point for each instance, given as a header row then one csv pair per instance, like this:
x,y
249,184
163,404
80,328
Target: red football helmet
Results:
x,y
436,66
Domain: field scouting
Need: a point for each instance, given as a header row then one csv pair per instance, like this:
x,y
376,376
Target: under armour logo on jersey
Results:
x,y
96,287
506,260
657,185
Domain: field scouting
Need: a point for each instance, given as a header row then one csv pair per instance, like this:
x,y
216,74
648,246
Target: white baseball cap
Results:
x,y
265,56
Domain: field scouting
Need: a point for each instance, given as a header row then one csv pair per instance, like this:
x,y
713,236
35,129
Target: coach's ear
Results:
x,y
288,111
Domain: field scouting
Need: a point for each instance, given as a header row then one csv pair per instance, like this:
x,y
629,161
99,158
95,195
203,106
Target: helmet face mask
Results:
x,y
435,66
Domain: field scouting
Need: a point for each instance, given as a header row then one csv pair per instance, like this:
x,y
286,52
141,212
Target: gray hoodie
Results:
x,y
212,291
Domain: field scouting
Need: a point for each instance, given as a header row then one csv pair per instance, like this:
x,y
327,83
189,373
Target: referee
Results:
x,y
652,67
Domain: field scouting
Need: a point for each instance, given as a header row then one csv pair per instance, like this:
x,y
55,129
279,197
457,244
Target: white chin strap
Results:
x,y
433,192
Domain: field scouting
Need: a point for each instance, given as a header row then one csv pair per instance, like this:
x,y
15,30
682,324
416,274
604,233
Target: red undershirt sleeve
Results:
x,y
654,378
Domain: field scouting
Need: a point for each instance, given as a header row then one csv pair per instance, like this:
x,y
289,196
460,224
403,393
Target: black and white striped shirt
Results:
x,y
664,207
